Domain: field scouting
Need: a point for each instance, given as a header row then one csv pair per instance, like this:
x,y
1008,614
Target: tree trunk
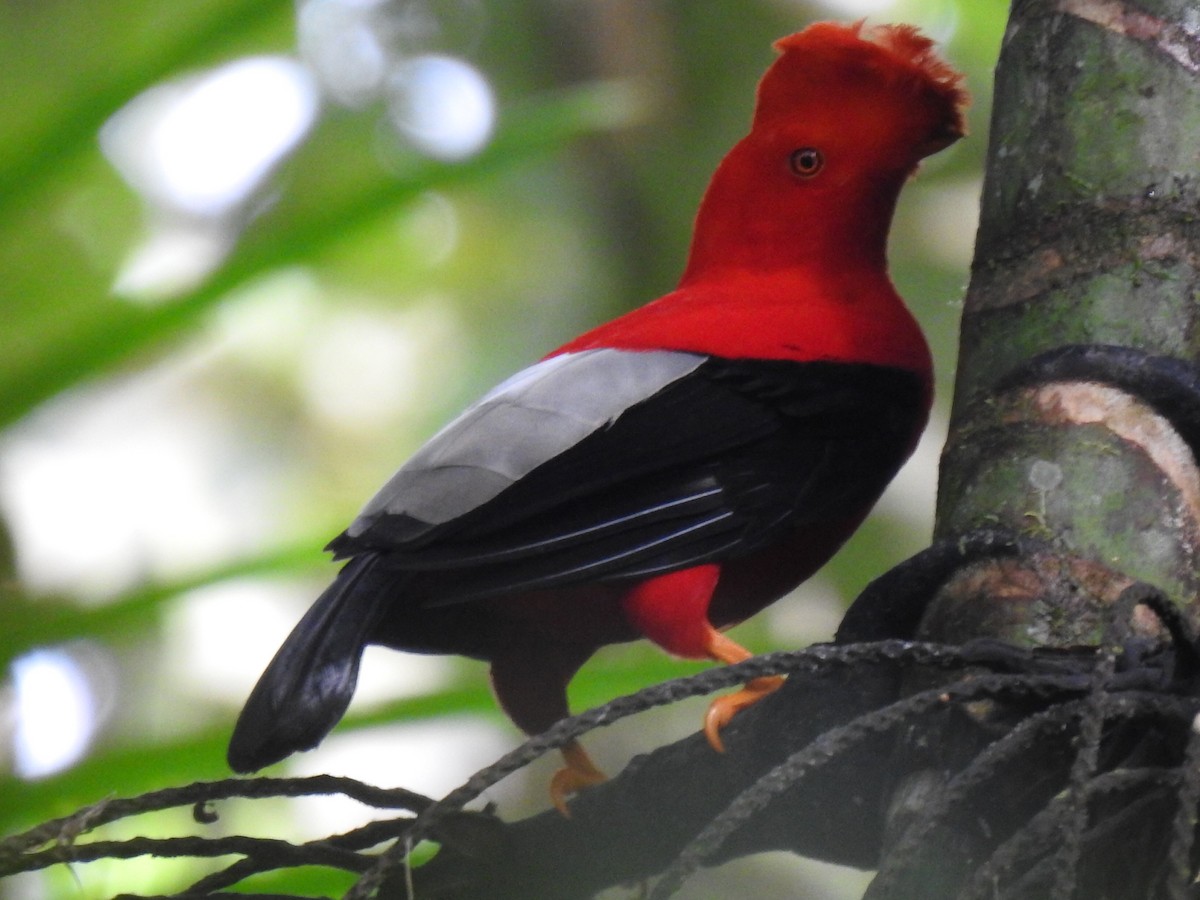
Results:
x,y
1088,238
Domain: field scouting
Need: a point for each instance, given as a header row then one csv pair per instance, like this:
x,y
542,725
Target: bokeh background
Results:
x,y
251,255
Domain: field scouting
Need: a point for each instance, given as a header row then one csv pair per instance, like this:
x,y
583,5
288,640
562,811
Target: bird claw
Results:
x,y
578,773
722,710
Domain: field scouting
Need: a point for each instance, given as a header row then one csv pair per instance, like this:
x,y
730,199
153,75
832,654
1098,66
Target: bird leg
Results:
x,y
578,773
672,610
723,709
529,677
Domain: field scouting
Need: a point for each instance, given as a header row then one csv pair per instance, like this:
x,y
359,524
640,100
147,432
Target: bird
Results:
x,y
674,471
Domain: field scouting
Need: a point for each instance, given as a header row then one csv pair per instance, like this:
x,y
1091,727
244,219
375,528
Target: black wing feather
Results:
x,y
720,462
307,686
716,464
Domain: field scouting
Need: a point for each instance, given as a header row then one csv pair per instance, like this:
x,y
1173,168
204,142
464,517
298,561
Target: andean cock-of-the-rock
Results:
x,y
674,471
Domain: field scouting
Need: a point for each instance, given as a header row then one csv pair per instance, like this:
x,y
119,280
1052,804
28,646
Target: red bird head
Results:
x,y
882,92
843,117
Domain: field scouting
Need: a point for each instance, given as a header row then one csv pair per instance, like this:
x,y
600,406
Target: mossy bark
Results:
x,y
1089,236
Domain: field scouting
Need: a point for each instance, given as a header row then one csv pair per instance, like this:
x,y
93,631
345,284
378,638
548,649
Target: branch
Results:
x,y
822,768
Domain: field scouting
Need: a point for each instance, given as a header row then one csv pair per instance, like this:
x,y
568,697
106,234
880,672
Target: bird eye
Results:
x,y
807,161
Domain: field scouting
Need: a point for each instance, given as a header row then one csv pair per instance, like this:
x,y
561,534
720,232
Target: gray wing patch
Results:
x,y
525,421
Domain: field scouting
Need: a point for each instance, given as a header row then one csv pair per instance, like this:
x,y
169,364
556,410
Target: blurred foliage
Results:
x,y
612,116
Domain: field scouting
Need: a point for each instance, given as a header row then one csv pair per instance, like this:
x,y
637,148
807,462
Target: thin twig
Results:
x,y
68,828
832,743
813,659
282,853
914,842
1041,832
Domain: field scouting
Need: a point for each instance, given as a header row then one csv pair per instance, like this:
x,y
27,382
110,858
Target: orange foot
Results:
x,y
578,773
723,709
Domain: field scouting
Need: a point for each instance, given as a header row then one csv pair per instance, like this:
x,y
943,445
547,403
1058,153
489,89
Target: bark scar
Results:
x,y
1081,403
1178,42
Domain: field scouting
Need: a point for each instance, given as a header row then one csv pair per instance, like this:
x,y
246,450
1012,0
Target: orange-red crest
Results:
x,y
895,62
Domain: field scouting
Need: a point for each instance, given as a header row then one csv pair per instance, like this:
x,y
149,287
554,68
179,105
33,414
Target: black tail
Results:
x,y
308,685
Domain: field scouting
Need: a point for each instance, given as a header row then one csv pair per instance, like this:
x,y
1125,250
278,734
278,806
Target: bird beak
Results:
x,y
941,139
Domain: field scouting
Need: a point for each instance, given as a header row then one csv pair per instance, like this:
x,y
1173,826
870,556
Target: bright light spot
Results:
x,y
431,758
267,322
203,145
212,659
430,228
55,713
174,257
812,614
389,675
116,483
937,19
367,368
858,7
220,638
352,46
336,39
442,105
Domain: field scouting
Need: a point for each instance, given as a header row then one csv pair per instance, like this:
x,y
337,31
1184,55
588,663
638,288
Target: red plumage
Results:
x,y
674,471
